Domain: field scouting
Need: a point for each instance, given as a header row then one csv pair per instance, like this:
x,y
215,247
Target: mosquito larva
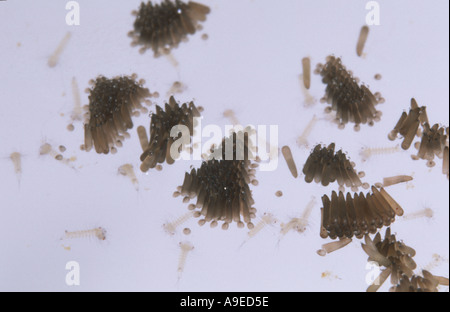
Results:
x,y
302,140
128,171
53,60
231,116
424,213
396,180
16,159
171,227
333,246
99,233
185,247
368,152
362,40
306,65
267,219
286,151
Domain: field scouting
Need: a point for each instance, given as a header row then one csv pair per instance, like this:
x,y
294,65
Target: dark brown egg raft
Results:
x,y
163,26
398,263
325,166
352,102
425,283
162,122
345,217
111,105
433,143
408,124
222,187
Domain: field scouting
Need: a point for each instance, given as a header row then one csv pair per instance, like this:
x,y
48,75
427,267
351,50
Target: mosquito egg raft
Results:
x,y
161,123
221,185
325,166
352,102
347,216
162,26
111,105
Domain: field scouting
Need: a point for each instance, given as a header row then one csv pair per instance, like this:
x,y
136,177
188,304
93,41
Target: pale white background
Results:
x,y
250,63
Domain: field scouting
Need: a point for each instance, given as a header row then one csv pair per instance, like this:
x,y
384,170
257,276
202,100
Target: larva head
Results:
x,y
101,233
186,246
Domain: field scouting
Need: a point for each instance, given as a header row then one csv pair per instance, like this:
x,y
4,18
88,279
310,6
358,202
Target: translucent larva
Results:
x,y
177,87
368,152
185,247
170,228
423,213
302,140
267,219
16,159
231,116
53,60
99,233
286,151
128,171
364,33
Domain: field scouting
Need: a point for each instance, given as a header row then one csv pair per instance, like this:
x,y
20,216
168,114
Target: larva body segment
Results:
x,y
164,25
423,213
364,33
111,106
99,233
287,154
368,152
54,58
170,228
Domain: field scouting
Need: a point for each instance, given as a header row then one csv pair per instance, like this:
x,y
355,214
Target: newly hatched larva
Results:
x,y
286,151
128,171
16,159
267,219
185,247
308,99
171,227
333,246
231,116
298,224
306,64
53,60
364,33
368,152
99,233
302,140
396,180
143,138
423,213
177,87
